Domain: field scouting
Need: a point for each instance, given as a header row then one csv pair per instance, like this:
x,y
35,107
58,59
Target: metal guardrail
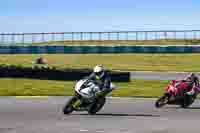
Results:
x,y
22,38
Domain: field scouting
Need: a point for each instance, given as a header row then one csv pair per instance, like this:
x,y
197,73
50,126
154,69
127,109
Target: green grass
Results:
x,y
30,87
121,42
139,62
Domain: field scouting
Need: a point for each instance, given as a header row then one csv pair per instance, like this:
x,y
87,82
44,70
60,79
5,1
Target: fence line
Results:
x,y
14,38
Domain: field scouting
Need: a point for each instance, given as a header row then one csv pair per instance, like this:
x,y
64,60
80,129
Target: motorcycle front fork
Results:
x,y
78,101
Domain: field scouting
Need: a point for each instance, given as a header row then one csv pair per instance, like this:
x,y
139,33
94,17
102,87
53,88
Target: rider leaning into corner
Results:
x,y
191,84
103,79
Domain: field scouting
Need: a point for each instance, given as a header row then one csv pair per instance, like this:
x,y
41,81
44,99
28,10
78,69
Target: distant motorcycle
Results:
x,y
175,96
85,92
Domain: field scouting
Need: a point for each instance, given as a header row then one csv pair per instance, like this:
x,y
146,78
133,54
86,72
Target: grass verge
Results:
x,y
127,62
31,87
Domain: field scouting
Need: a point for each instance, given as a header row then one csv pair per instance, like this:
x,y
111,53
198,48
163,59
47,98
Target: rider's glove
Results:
x,y
191,92
98,94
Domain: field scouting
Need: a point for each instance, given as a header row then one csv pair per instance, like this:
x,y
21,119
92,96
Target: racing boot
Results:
x,y
77,104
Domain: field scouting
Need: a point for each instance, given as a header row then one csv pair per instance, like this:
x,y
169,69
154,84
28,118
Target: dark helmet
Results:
x,y
191,77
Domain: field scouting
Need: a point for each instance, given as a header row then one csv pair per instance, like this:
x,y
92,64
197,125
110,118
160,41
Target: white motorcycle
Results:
x,y
85,91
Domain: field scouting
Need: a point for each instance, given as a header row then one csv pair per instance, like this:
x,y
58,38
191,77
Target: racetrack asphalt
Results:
x,y
119,115
159,75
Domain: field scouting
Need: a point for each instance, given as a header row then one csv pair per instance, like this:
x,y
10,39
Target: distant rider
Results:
x,y
193,84
190,84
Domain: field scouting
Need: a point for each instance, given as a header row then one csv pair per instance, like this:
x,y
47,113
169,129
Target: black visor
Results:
x,y
98,73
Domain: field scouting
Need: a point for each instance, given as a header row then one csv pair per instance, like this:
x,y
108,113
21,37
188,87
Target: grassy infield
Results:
x,y
143,62
140,62
24,87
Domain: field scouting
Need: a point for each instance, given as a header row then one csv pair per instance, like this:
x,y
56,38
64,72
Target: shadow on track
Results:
x,y
175,107
193,108
172,107
118,114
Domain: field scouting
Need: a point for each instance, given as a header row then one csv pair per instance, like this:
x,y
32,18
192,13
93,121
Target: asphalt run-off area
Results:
x,y
119,115
149,75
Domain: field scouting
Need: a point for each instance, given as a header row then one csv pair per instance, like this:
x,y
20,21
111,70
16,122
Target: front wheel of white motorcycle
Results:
x,y
68,108
97,106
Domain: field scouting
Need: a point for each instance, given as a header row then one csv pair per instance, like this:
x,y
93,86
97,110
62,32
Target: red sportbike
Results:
x,y
175,94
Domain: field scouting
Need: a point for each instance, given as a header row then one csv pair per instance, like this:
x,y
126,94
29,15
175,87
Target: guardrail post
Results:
x,y
53,36
108,35
175,35
81,34
165,35
117,35
184,35
13,38
32,35
194,35
23,39
156,35
100,36
2,38
72,36
146,35
90,35
136,36
63,36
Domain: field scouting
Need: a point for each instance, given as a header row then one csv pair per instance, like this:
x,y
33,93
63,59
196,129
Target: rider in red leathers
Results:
x,y
193,84
182,92
190,85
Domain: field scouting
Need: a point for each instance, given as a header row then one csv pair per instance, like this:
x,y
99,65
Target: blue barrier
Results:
x,y
96,49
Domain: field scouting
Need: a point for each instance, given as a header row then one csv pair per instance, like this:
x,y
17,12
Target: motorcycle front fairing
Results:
x,y
86,91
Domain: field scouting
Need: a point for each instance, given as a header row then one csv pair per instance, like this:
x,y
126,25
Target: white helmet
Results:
x,y
99,71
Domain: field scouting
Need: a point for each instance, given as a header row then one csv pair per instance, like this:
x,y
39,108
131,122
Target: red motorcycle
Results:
x,y
175,94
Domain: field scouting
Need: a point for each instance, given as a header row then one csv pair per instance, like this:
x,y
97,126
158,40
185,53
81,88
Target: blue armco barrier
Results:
x,y
97,49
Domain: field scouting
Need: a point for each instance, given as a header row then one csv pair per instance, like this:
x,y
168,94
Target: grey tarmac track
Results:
x,y
119,115
159,75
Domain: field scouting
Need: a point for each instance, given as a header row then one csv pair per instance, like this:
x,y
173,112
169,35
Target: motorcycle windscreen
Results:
x,y
86,92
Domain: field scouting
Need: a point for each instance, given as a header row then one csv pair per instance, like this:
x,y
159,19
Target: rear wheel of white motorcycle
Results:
x,y
97,106
68,108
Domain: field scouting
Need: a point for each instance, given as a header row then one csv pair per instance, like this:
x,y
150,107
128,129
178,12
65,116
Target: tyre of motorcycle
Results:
x,y
162,101
97,106
184,104
68,108
187,101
